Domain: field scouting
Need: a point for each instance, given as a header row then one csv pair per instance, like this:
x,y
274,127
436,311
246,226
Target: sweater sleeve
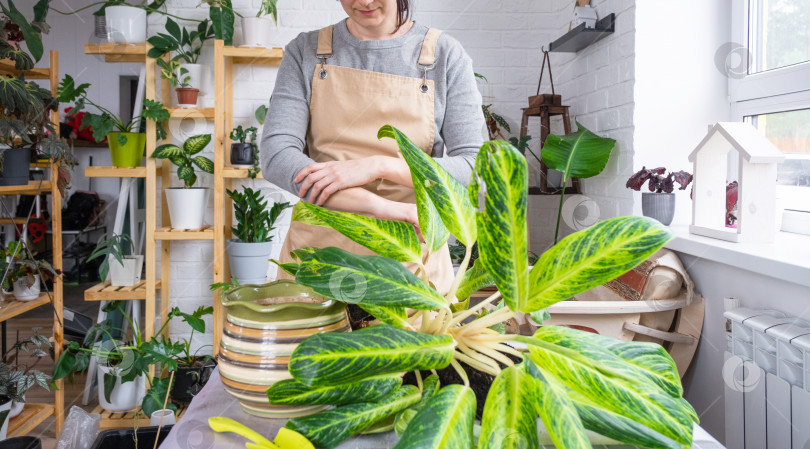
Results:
x,y
463,120
284,133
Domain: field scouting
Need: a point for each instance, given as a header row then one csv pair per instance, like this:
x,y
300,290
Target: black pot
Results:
x,y
242,154
15,167
21,443
189,380
125,438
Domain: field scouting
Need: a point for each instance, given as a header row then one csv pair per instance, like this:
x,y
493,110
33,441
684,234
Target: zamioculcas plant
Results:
x,y
573,380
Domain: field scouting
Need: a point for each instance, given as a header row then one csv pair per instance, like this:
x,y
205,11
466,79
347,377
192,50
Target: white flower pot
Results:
x,y
125,396
27,288
195,71
5,407
249,261
127,274
187,206
16,408
126,25
256,31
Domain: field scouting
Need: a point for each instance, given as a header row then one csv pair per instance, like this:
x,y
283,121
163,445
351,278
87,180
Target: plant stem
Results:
x,y
492,353
418,379
494,318
471,311
461,372
459,275
476,364
481,358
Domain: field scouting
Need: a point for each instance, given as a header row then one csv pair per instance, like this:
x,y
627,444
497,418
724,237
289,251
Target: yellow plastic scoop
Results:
x,y
285,439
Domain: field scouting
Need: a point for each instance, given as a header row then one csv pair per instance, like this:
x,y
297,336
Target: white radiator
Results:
x,y
767,381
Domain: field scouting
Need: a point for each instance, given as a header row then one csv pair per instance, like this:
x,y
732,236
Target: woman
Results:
x,y
337,87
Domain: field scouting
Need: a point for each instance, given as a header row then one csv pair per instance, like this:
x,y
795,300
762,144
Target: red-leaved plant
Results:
x,y
658,182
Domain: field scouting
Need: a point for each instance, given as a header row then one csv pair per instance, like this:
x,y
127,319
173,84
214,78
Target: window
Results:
x,y
773,92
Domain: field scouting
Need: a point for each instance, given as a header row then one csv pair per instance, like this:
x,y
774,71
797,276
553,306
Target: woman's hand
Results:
x,y
322,179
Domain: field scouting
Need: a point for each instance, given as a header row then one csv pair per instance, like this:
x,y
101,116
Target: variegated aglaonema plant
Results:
x,y
572,380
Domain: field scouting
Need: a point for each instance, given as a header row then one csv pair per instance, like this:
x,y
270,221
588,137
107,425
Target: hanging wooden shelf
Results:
x,y
247,55
10,309
581,37
104,291
111,420
115,172
7,68
117,52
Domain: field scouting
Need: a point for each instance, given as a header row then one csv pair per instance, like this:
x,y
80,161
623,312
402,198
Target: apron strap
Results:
x,y
428,55
325,42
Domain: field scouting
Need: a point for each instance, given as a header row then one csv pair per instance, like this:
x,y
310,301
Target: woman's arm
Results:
x,y
360,201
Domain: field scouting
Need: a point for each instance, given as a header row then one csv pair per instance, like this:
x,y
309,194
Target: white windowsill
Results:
x,y
787,258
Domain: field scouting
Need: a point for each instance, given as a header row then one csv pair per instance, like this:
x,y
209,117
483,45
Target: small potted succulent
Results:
x,y
22,272
249,251
244,152
126,143
178,76
187,203
17,377
659,202
124,270
186,45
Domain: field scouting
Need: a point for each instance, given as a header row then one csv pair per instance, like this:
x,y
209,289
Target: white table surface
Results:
x,y
192,431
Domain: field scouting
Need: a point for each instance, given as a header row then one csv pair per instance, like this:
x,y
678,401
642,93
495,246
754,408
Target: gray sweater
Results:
x,y
459,119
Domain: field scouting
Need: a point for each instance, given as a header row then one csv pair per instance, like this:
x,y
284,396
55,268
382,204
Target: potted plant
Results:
x,y
17,377
126,143
124,270
256,30
249,251
186,46
22,273
572,380
244,152
187,203
178,76
659,202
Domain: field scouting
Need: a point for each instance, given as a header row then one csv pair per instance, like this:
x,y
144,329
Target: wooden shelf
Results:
x,y
21,220
238,173
181,113
81,143
580,37
115,172
11,307
106,292
205,233
118,52
29,418
247,55
111,420
30,189
7,68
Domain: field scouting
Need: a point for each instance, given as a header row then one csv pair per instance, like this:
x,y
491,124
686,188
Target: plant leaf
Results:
x,y
580,155
510,412
329,428
620,428
173,28
395,316
394,239
433,230
374,280
33,39
336,358
167,151
446,421
446,193
195,144
185,173
474,279
204,163
592,257
371,389
109,384
501,177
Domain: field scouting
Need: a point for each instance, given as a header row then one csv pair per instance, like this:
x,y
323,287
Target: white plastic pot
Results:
x,y
187,206
125,396
196,73
126,25
27,288
127,274
256,31
249,261
5,406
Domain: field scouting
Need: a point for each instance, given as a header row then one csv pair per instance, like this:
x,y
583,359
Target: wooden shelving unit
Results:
x,y
34,414
183,113
103,291
115,172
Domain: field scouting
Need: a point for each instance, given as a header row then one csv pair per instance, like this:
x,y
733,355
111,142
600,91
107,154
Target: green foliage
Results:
x,y
17,376
221,14
254,222
174,72
110,247
224,286
510,419
241,135
153,401
268,7
18,262
445,421
31,31
186,46
181,157
261,114
372,389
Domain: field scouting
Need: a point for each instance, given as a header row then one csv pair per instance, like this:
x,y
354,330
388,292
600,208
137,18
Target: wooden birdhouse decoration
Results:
x,y
756,177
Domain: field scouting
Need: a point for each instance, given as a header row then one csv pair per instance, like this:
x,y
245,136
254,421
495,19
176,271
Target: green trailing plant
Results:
x,y
254,223
186,46
18,262
182,158
581,154
110,247
573,380
105,121
248,136
173,72
153,6
17,377
222,15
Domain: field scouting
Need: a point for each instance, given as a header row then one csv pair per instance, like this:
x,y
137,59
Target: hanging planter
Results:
x,y
126,149
126,25
15,166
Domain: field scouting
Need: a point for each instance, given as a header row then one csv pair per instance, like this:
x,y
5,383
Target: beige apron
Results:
x,y
347,108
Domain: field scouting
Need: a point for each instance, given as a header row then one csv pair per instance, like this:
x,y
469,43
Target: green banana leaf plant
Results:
x,y
571,380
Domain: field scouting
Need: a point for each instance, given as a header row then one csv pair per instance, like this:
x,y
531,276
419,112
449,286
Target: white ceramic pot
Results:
x,y
187,206
126,25
127,274
195,71
125,396
16,408
256,31
27,288
5,407
249,261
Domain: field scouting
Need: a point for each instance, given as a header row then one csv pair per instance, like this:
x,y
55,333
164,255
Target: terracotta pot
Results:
x,y
187,97
263,325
